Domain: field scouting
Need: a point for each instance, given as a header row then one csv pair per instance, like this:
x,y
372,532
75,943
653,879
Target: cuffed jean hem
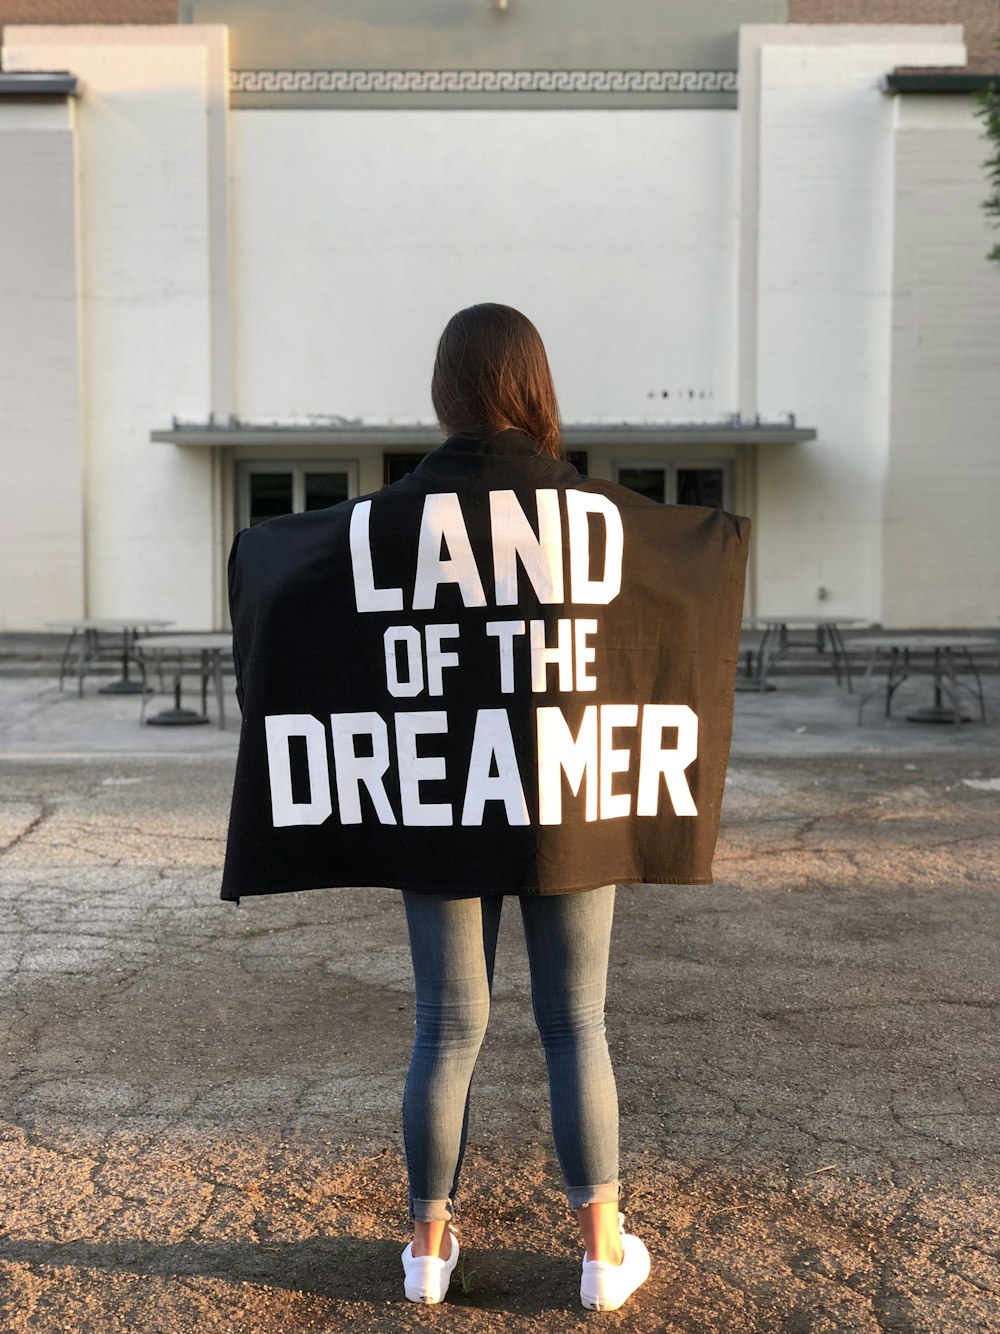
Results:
x,y
579,1196
431,1211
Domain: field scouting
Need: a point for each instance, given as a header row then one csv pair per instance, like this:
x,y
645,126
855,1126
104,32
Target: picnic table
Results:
x,y
210,646
943,657
86,635
775,639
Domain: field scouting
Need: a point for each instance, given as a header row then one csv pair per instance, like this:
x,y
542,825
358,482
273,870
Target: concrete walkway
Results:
x,y
805,716
200,1116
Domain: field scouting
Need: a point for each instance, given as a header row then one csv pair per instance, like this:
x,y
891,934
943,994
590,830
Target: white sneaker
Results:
x,y
604,1286
426,1278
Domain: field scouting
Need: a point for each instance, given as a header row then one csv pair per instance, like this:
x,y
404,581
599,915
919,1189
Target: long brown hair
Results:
x,y
491,374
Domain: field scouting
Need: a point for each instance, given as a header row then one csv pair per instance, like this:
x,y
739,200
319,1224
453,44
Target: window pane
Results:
x,y
700,486
396,466
650,482
270,495
325,488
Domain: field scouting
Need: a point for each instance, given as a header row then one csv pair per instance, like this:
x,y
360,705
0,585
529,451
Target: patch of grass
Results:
x,y
465,1277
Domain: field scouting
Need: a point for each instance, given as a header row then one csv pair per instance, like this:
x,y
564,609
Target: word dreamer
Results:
x,y
607,778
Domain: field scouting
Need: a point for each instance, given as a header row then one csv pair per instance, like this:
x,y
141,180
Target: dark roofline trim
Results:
x,y
580,435
959,82
48,83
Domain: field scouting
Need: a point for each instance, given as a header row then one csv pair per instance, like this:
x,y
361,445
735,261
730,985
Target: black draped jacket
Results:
x,y
493,675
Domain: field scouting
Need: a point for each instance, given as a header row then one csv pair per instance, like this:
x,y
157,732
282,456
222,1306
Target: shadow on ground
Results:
x,y
269,1250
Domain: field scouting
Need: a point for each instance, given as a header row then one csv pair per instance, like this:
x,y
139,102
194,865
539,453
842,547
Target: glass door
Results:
x,y
649,482
701,486
270,488
268,494
679,483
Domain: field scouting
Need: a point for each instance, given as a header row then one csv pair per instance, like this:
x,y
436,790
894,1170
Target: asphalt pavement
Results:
x,y
199,1125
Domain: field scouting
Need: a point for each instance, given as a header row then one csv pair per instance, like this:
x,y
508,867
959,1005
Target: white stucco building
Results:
x,y
222,283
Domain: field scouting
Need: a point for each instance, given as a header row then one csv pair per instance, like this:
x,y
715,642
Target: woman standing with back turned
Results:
x,y
492,391
564,652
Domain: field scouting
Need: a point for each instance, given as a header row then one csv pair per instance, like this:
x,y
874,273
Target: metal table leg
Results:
x,y
88,649
939,712
125,685
178,716
897,671
66,656
979,684
203,672
866,687
219,690
841,661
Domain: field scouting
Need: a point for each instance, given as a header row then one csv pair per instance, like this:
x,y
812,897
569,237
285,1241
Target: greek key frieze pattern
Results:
x,y
482,81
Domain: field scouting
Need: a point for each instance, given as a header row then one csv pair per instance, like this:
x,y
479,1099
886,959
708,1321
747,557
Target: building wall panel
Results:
x,y
41,428
145,286
357,234
942,498
822,328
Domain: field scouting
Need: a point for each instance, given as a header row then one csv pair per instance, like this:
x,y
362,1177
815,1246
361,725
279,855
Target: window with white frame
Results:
x,y
673,483
274,487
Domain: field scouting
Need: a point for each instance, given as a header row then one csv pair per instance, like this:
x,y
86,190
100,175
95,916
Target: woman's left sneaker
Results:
x,y
605,1287
426,1278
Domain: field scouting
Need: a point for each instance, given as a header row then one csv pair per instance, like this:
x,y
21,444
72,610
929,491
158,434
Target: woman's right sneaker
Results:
x,y
604,1286
426,1278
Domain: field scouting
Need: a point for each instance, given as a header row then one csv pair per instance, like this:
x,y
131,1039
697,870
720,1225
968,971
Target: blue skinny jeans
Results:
x,y
453,946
